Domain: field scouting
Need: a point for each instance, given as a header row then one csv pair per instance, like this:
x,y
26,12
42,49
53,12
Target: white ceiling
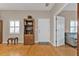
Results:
x,y
34,6
26,6
71,7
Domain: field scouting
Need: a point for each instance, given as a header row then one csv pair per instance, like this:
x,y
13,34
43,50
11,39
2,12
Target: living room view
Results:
x,y
38,29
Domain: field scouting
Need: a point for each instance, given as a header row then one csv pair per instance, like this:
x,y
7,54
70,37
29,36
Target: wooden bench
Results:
x,y
13,40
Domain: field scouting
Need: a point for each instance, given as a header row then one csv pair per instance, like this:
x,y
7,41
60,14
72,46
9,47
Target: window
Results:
x,y
14,27
73,26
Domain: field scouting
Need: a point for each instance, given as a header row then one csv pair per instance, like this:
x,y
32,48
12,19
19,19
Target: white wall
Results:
x,y
20,15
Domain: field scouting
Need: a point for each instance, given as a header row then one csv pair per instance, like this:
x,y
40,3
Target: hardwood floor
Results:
x,y
36,50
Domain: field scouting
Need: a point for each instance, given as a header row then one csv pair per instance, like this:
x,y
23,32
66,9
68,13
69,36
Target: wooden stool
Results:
x,y
10,39
13,40
16,40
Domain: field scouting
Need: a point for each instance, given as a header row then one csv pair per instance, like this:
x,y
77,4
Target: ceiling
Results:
x,y
26,6
71,7
34,6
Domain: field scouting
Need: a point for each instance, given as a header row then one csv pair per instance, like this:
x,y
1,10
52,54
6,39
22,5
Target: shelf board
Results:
x,y
28,20
29,25
28,30
28,34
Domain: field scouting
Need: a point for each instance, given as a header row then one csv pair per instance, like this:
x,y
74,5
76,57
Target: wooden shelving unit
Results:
x,y
28,31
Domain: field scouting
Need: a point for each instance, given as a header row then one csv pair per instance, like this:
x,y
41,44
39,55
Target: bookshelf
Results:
x,y
29,30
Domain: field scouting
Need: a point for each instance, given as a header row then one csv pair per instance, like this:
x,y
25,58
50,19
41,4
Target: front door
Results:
x,y
43,30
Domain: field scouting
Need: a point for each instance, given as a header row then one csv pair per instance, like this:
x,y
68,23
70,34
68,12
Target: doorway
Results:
x,y
1,30
70,26
60,30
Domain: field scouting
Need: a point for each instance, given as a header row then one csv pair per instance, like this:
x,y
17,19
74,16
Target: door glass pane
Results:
x,y
16,23
72,23
73,26
11,30
72,29
16,29
11,23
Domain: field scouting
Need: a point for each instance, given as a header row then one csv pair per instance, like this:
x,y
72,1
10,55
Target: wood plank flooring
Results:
x,y
36,50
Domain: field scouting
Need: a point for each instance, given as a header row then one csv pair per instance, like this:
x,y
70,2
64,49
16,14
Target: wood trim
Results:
x,y
2,32
34,30
78,29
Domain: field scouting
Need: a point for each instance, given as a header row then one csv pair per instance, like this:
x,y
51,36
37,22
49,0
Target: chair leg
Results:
x,y
14,41
17,41
7,42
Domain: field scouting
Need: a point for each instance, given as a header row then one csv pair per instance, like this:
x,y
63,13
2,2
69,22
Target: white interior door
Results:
x,y
60,38
43,30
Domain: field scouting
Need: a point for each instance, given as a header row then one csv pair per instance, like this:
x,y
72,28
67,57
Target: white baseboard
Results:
x,y
52,44
36,41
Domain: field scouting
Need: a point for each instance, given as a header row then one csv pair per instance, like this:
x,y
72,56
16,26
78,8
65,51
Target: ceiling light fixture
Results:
x,y
47,4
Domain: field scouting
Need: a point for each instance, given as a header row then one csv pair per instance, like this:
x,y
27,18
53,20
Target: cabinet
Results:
x,y
29,31
28,39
